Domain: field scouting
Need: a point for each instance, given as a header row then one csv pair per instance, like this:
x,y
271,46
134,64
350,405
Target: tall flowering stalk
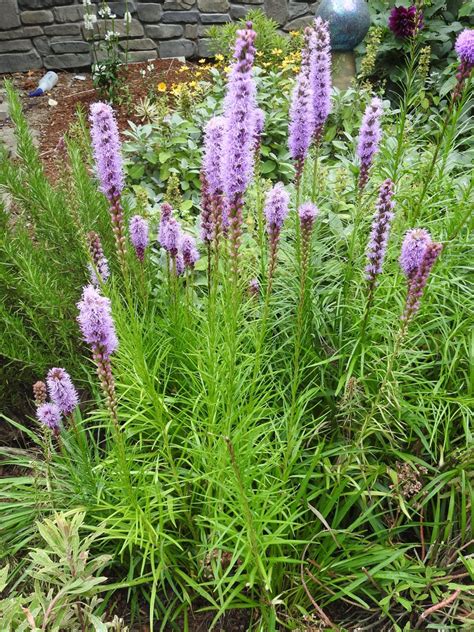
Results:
x,y
276,211
307,214
369,139
301,123
464,48
99,271
239,136
320,75
166,215
189,252
62,391
139,235
108,160
98,331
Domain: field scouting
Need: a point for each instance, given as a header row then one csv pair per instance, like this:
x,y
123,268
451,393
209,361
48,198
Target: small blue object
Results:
x,y
36,93
349,21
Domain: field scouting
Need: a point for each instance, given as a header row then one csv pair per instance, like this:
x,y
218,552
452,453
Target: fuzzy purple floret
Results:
x,y
369,138
106,147
405,22
139,235
179,264
276,209
189,251
413,249
307,213
464,46
259,127
61,390
320,73
254,287
166,215
172,236
239,109
101,265
49,415
301,125
380,232
95,321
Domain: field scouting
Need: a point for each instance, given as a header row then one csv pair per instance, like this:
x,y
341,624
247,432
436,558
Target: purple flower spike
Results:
x,y
413,250
380,233
172,237
238,146
254,287
405,22
62,391
189,251
464,48
95,321
276,210
106,146
108,160
100,262
50,416
179,264
418,282
369,139
138,228
211,164
308,213
301,126
166,215
258,131
320,74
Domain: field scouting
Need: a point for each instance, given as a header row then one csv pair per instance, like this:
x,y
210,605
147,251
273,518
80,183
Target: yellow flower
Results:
x,y
226,68
219,57
259,53
183,68
277,51
198,74
161,87
202,61
193,84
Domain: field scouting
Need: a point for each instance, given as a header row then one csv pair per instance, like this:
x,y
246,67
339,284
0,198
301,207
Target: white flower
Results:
x,y
127,16
110,35
87,3
105,12
143,72
150,67
89,21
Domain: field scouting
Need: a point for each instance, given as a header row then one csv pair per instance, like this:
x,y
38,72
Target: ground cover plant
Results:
x,y
265,409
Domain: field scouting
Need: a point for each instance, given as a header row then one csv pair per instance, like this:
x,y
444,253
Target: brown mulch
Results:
x,y
52,121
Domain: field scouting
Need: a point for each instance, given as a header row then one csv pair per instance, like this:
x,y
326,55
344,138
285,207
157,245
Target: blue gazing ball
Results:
x,y
349,21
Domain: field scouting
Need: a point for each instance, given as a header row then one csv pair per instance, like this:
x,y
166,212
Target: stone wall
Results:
x,y
50,34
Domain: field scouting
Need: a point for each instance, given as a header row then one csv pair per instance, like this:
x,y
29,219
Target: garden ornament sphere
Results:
x,y
349,21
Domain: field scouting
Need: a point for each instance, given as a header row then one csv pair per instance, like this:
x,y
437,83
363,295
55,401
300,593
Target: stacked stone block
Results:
x,y
50,33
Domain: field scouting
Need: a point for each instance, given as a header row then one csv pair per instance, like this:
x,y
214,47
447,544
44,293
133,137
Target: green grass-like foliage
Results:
x,y
280,457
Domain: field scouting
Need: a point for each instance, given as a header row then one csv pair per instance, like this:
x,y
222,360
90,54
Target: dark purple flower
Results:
x,y
276,209
419,280
464,47
39,393
413,249
95,321
254,287
138,228
106,147
380,232
307,213
189,251
50,416
61,390
369,139
172,236
405,22
320,74
101,265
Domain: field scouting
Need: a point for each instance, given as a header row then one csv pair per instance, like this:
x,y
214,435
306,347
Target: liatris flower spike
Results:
x,y
276,210
405,22
258,131
369,139
96,323
418,282
239,140
413,250
380,233
320,74
254,287
464,48
301,127
307,213
189,252
100,262
108,160
39,393
138,228
98,330
50,416
211,179
166,215
62,391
